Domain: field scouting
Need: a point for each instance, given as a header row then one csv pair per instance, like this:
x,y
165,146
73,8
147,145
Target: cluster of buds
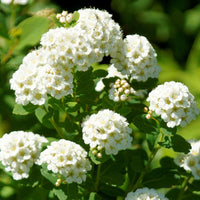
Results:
x,y
97,151
65,17
120,90
59,181
149,113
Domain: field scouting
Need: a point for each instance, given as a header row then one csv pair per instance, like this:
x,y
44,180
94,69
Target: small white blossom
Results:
x,y
67,159
191,161
136,58
145,194
174,103
107,129
18,152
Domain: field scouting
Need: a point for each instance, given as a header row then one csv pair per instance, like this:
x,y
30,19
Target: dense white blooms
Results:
x,y
20,2
120,90
145,194
191,160
94,36
107,130
35,78
100,29
18,152
136,58
67,159
174,103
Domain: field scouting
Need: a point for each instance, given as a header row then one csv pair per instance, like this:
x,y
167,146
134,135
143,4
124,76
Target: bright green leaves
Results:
x,y
24,110
32,29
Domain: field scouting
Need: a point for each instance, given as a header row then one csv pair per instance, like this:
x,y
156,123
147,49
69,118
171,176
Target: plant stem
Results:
x,y
96,185
57,128
183,187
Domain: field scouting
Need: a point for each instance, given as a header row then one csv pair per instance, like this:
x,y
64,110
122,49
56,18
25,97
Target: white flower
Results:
x,y
145,194
67,159
18,152
100,29
20,2
191,161
35,78
107,130
136,58
174,103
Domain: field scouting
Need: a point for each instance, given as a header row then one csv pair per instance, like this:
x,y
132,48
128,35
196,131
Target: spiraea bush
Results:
x,y
107,123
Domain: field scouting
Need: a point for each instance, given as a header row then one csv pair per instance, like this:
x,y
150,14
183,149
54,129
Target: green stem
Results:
x,y
183,187
56,127
96,185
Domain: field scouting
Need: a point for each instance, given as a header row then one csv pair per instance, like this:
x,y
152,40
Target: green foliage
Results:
x,y
31,36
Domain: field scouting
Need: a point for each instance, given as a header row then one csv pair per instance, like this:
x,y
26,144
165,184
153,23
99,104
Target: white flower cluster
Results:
x,y
174,103
145,194
103,32
120,90
67,159
107,130
20,2
94,36
18,152
35,78
136,58
191,160
47,71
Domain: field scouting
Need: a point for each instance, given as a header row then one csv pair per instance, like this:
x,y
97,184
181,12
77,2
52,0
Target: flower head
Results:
x,y
35,79
136,58
145,194
174,103
18,152
107,130
67,159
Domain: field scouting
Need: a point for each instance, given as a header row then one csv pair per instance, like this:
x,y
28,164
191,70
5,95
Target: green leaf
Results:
x,y
94,196
111,191
99,73
136,159
3,27
44,117
145,125
149,84
24,110
49,176
161,178
97,160
32,30
85,87
179,144
59,193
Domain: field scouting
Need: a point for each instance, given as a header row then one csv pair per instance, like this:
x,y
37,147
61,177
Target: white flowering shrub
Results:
x,y
101,128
